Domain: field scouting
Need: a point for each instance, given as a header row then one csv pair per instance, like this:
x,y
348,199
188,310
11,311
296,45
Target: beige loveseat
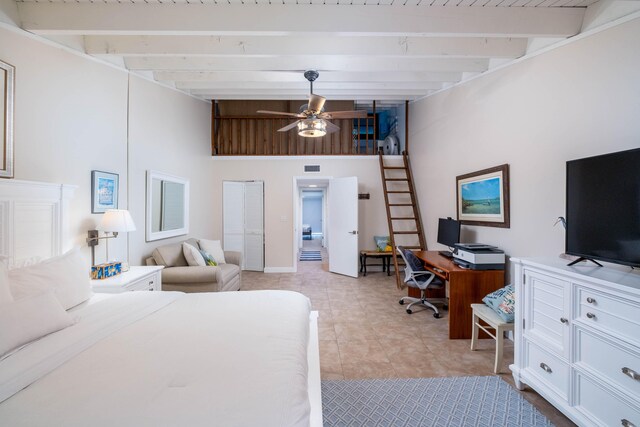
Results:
x,y
177,275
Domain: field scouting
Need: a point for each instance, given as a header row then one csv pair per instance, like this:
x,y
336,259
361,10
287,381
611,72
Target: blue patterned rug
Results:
x,y
435,402
310,256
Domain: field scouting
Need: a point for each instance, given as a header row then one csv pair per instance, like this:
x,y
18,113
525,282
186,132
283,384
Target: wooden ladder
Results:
x,y
411,222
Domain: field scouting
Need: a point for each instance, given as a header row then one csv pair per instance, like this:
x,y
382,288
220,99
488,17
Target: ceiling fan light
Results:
x,y
312,128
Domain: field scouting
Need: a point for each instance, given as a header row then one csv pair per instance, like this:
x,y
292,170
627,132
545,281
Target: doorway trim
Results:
x,y
297,210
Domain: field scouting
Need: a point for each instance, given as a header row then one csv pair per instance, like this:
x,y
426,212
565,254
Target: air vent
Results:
x,y
312,168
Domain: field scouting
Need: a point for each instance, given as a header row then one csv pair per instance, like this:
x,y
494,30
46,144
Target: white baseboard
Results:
x,y
279,270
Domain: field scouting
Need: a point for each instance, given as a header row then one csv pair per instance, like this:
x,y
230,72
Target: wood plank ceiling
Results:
x,y
258,49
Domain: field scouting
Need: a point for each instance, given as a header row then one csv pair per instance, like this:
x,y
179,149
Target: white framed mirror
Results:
x,y
167,206
6,120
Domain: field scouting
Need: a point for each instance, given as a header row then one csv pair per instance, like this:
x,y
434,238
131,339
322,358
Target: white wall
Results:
x,y
575,101
277,175
170,133
71,118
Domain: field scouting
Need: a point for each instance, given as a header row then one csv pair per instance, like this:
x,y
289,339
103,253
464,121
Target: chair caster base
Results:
x,y
436,315
409,311
401,302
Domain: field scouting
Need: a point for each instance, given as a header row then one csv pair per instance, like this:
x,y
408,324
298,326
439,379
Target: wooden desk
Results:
x,y
466,287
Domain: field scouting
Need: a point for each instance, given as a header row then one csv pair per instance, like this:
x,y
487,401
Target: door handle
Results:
x,y
352,232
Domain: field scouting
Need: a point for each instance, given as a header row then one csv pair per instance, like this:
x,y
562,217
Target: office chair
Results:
x,y
416,276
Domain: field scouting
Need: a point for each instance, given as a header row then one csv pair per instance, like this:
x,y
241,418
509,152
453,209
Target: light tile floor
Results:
x,y
365,333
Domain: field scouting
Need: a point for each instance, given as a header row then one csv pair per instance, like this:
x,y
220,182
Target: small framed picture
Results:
x,y
104,191
483,197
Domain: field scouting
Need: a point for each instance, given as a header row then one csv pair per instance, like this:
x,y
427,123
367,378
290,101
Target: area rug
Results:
x,y
436,402
310,256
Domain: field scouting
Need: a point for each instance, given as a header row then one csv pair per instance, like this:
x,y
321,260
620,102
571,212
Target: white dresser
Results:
x,y
577,339
138,278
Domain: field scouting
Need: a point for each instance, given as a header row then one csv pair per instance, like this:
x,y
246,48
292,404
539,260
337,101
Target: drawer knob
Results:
x,y
545,367
631,373
626,423
591,300
591,315
564,320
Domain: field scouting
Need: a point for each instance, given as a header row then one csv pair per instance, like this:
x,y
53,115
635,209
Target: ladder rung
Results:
x,y
402,217
405,232
412,247
397,192
400,204
396,179
394,167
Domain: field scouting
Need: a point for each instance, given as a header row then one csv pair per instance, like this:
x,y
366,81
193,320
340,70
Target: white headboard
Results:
x,y
33,219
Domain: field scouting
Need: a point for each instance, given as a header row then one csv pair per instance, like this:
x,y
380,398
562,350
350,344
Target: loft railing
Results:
x,y
259,136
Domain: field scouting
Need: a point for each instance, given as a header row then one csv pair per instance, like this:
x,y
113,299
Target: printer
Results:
x,y
478,256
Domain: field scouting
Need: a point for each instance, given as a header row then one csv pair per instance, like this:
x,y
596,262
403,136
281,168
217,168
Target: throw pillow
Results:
x,y
192,255
31,318
208,259
214,248
382,243
68,275
502,302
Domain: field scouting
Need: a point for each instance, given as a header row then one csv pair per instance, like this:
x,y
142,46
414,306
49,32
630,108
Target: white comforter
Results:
x,y
167,359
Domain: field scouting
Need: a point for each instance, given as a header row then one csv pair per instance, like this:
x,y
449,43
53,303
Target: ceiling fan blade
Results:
x,y
289,127
344,114
316,102
331,127
282,113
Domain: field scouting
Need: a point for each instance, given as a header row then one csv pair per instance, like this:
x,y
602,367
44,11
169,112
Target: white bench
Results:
x,y
494,322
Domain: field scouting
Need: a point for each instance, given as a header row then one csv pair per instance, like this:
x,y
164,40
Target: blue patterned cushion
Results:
x,y
502,302
208,258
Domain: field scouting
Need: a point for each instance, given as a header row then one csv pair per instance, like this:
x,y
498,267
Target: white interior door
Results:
x,y
233,216
343,226
254,226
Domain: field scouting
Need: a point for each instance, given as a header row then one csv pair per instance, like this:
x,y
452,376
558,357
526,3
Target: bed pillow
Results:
x,y
502,302
5,292
30,318
192,255
67,275
214,248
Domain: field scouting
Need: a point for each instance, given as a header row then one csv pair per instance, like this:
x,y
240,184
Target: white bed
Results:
x,y
167,358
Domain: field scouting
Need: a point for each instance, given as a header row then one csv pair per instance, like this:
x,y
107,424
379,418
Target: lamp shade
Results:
x,y
313,128
117,220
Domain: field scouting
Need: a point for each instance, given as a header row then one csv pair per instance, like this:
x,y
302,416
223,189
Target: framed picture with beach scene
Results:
x,y
104,191
483,197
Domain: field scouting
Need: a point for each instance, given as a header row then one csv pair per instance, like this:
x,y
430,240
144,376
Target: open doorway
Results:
x,y
310,231
313,211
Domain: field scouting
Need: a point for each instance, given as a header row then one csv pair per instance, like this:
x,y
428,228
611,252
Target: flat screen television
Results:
x,y
603,208
448,231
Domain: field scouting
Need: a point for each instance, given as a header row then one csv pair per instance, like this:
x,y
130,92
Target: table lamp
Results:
x,y
113,221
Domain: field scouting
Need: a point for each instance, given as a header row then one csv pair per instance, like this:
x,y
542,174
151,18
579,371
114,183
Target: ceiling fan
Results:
x,y
312,119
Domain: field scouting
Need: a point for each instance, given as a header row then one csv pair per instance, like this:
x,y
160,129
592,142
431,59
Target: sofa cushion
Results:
x,y
199,274
193,255
171,255
214,248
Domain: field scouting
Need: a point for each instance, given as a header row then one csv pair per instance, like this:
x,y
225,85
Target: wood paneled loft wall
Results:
x,y
237,130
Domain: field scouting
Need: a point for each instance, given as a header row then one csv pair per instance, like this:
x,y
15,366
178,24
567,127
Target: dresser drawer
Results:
x,y
144,284
617,364
603,407
548,368
618,316
547,312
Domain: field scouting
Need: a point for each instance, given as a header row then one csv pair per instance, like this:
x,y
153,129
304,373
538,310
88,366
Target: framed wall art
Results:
x,y
483,197
104,191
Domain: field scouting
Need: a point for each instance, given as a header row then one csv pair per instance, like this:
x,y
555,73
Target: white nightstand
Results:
x,y
138,278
